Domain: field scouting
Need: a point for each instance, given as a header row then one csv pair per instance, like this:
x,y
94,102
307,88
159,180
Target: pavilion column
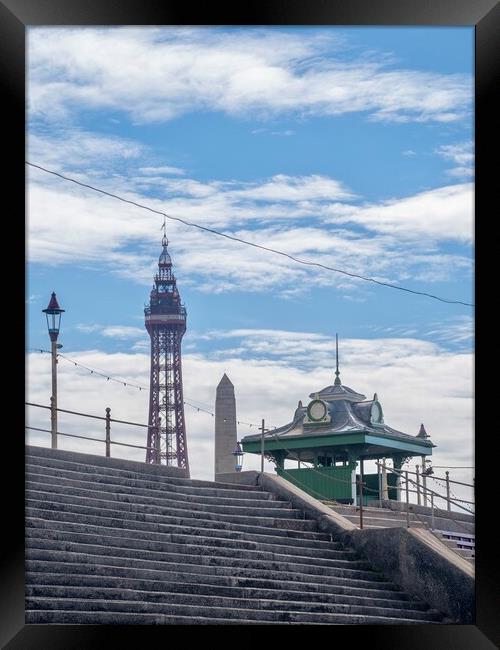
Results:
x,y
279,457
385,493
352,461
362,472
398,464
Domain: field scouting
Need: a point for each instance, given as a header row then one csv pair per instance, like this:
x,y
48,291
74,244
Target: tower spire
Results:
x,y
164,240
337,373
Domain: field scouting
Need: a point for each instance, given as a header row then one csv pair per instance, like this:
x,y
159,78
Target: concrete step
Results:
x,y
51,483
194,509
380,521
277,601
62,617
131,549
93,470
44,538
47,518
342,614
112,566
440,521
296,529
262,517
133,540
264,511
53,585
244,536
39,527
111,541
75,617
467,553
267,577
257,562
165,558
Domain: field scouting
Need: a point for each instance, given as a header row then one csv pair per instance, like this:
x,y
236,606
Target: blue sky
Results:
x,y
348,146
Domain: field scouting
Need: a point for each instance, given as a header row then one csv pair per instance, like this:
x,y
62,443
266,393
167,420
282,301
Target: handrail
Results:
x,y
108,419
74,435
436,478
87,415
429,490
436,493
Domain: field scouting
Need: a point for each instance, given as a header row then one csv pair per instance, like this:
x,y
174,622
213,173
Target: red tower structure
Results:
x,y
165,319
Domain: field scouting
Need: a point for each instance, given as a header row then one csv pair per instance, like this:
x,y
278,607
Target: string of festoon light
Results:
x,y
128,384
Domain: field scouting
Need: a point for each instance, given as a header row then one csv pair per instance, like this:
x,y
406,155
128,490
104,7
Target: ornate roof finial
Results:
x,y
422,432
164,240
337,373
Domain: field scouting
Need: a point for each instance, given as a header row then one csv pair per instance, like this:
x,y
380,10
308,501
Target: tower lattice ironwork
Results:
x,y
165,319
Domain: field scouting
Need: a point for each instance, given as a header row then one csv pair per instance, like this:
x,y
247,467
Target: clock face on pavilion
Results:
x,y
317,410
376,414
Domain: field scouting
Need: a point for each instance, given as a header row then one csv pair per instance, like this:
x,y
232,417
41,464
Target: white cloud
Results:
x,y
122,332
458,331
416,381
294,188
88,328
67,223
71,147
111,331
462,155
445,213
168,171
166,72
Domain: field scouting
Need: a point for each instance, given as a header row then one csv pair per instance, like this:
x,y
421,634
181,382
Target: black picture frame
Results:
x,y
15,17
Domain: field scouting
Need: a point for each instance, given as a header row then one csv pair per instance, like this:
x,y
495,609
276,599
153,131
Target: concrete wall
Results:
x,y
421,565
244,478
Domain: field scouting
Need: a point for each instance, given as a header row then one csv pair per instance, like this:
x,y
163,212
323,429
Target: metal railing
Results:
x,y
408,481
107,428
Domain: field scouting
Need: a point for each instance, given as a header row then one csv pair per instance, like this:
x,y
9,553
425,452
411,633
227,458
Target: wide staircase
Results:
x,y
115,542
456,530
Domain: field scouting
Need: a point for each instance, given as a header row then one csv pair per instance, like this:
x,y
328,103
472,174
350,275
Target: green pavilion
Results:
x,y
329,440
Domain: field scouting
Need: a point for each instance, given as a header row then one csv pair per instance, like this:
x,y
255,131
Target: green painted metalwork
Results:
x,y
415,447
370,491
303,442
384,444
322,482
334,483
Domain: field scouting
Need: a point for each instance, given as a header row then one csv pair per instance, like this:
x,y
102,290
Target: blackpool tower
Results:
x,y
165,319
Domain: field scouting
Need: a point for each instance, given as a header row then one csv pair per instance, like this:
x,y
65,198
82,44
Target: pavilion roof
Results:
x,y
349,411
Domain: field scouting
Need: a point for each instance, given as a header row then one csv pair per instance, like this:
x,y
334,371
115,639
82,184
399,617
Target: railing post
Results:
x,y
418,484
361,505
448,504
262,430
432,510
108,432
379,472
53,399
424,481
407,501
53,422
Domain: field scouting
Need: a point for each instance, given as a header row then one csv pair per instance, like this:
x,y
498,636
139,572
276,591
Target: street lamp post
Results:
x,y
53,314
